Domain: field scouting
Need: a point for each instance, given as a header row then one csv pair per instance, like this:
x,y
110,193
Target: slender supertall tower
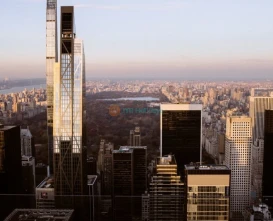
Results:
x,y
68,135
51,58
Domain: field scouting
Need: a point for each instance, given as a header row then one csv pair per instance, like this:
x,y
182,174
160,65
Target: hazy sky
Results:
x,y
147,38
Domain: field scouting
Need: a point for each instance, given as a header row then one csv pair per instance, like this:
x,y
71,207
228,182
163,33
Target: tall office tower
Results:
x,y
139,176
135,137
123,164
267,184
27,142
10,167
166,192
51,58
238,159
207,192
180,132
260,100
69,143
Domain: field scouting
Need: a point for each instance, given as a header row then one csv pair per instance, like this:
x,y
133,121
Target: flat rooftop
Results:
x,y
91,179
124,150
206,167
40,215
4,127
132,147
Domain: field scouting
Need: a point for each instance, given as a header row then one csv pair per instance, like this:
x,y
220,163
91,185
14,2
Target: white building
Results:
x,y
238,159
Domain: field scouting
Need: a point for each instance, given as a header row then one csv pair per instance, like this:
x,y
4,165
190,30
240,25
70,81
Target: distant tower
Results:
x,y
267,183
51,58
135,137
180,132
70,177
238,159
27,144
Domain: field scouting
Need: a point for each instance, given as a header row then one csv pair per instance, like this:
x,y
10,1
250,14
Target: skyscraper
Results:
x,y
123,179
180,132
69,143
51,58
238,159
10,167
259,101
166,191
267,183
207,192
135,137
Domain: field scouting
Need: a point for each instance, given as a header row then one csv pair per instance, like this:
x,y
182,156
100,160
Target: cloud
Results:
x,y
159,6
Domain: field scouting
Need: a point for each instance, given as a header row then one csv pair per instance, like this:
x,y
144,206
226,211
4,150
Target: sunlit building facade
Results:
x,y
208,190
51,58
69,141
238,159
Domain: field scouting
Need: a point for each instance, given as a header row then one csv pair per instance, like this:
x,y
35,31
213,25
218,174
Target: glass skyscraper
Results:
x,y
51,58
69,142
180,132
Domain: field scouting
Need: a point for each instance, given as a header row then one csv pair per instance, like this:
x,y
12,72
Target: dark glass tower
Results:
x,y
268,159
180,128
10,169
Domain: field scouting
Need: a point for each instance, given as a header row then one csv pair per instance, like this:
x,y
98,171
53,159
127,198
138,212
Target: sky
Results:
x,y
160,39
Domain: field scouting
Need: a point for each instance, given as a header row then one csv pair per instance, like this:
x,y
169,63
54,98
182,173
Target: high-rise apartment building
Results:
x,y
238,159
166,192
207,191
180,132
51,58
135,137
69,143
267,183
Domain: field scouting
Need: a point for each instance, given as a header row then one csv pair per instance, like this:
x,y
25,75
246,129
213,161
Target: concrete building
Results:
x,y
45,197
207,192
238,159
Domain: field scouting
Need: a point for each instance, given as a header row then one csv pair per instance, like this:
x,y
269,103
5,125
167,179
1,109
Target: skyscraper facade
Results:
x,y
267,183
51,58
207,190
166,191
238,159
69,142
257,105
180,132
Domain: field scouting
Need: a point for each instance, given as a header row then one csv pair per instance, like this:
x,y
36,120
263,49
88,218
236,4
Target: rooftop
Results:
x,y
47,183
40,215
132,147
91,179
4,127
166,160
206,167
123,150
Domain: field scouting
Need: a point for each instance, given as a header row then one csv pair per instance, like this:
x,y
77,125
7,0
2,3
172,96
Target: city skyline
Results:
x,y
178,39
